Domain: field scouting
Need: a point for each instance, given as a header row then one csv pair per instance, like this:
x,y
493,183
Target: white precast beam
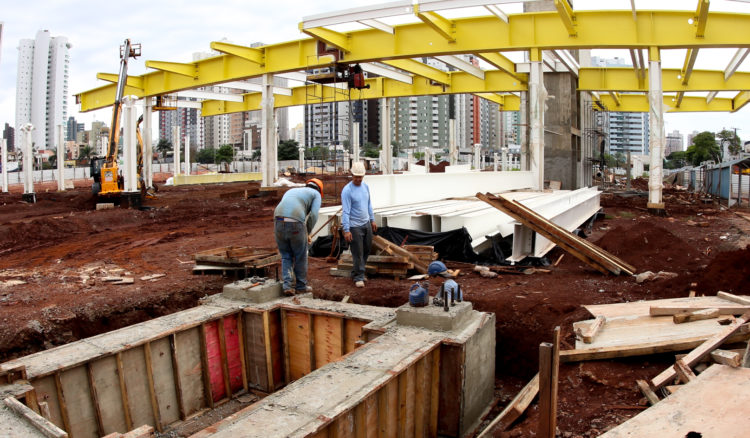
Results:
x,y
176,148
402,7
247,86
4,163
379,70
497,12
379,25
60,159
734,64
579,210
567,60
293,76
439,5
460,64
210,95
129,142
188,104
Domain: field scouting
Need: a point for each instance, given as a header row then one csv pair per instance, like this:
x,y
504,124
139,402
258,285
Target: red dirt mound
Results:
x,y
729,272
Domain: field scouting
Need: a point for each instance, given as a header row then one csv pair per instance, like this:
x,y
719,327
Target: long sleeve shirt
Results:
x,y
356,206
301,204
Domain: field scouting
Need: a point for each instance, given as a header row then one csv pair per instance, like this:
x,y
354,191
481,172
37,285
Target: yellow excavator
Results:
x,y
104,170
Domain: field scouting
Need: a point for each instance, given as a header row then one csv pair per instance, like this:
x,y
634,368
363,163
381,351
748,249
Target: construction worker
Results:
x,y
294,219
358,221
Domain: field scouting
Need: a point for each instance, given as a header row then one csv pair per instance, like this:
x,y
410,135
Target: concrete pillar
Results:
x,y
301,163
385,136
656,137
129,141
524,139
187,154
452,150
4,161
409,159
427,159
505,158
60,159
148,147
28,162
628,171
477,157
537,95
355,141
176,147
347,157
268,159
494,160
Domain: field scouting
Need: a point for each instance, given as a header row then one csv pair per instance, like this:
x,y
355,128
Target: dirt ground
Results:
x,y
55,254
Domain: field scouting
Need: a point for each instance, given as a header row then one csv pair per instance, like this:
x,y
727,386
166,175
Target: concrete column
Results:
x,y
187,154
4,161
347,157
301,164
409,159
148,147
427,159
60,159
355,141
452,150
28,162
505,158
537,95
628,172
494,154
129,141
268,159
524,122
477,152
656,137
176,148
385,136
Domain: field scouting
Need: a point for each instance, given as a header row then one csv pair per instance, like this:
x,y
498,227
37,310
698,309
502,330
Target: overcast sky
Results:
x,y
171,30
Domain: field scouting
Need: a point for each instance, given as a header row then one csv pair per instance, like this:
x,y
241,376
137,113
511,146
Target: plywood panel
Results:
x,y
46,391
353,331
411,409
139,395
255,351
166,393
107,384
328,339
188,351
451,378
371,417
277,348
215,364
298,342
81,411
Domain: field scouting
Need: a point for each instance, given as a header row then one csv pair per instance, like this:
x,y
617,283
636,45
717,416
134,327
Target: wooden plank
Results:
x,y
514,409
411,408
642,308
224,358
205,372
432,422
43,425
177,378
328,344
695,315
744,300
46,389
694,356
672,388
353,331
371,416
403,431
123,391
257,357
191,370
729,358
590,333
152,387
139,394
76,394
676,310
555,377
311,341
106,385
267,350
241,346
421,400
545,390
94,399
451,371
298,343
61,402
360,421
164,375
647,392
746,356
684,373
44,410
277,347
285,343
382,244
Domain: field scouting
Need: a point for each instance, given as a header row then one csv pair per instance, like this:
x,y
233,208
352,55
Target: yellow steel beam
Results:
x,y
249,53
500,61
622,79
131,81
616,97
740,100
459,82
420,69
701,18
330,37
595,29
687,67
179,68
639,103
437,22
678,99
567,15
507,102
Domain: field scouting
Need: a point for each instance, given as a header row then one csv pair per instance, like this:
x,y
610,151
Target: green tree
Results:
x,y
675,160
85,153
731,139
225,154
288,150
163,147
704,148
619,159
52,160
206,156
609,160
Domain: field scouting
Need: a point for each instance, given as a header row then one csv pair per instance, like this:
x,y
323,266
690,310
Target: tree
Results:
x,y
225,154
206,156
609,161
85,153
704,148
619,159
163,147
731,139
288,150
52,160
676,160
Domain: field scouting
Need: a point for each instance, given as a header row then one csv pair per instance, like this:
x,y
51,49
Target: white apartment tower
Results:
x,y
42,86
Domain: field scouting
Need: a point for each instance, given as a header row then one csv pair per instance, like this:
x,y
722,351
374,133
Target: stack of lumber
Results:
x,y
234,258
424,253
587,252
420,264
378,264
390,259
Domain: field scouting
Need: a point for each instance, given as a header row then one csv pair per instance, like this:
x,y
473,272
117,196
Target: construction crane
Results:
x,y
104,170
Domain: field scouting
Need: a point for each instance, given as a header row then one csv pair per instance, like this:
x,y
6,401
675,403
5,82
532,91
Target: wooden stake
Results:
x,y
124,391
176,375
151,386
683,371
696,315
647,392
94,399
546,351
267,344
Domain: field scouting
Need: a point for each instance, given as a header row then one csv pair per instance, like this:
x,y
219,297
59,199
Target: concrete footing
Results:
x,y
253,291
29,197
434,317
656,209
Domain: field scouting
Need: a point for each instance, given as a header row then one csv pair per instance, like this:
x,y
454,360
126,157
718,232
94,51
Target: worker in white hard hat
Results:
x,y
358,221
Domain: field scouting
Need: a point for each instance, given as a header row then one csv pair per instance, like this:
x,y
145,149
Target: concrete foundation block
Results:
x,y
250,290
434,317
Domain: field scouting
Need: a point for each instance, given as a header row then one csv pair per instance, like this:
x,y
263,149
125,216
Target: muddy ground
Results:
x,y
54,255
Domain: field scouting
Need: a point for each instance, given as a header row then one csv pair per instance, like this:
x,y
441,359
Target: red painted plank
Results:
x,y
215,371
234,362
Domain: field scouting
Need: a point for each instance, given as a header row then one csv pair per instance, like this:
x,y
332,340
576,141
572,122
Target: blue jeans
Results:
x,y
360,247
291,238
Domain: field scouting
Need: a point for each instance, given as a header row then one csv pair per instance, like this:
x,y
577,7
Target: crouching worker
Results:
x,y
448,289
294,219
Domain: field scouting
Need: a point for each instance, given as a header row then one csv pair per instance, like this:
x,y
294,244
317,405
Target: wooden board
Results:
x,y
255,351
451,371
713,405
139,394
353,331
46,391
164,385
190,367
81,411
328,339
232,346
107,384
641,308
277,349
298,342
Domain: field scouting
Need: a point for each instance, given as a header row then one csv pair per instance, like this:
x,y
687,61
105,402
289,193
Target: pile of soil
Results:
x,y
435,168
729,272
639,184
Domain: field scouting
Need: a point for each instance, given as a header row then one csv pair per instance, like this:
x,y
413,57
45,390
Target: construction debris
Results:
x,y
418,260
650,276
238,259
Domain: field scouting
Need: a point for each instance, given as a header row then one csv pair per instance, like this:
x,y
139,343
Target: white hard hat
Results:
x,y
358,168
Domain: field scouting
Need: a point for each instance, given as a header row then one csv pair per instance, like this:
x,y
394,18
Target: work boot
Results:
x,y
289,292
359,283
305,290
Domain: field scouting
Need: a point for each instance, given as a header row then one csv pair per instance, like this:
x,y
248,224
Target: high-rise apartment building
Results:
x,y
10,137
73,128
674,143
42,86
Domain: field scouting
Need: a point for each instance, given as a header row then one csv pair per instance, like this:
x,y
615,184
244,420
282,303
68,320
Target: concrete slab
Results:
x,y
213,178
251,291
12,425
434,317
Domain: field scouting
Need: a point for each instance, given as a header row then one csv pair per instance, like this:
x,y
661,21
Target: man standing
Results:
x,y
358,221
294,218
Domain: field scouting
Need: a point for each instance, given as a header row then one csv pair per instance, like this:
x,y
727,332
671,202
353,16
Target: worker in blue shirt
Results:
x,y
294,218
358,221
